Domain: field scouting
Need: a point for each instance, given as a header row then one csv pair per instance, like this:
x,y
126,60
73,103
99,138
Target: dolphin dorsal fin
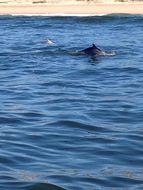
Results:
x,y
93,45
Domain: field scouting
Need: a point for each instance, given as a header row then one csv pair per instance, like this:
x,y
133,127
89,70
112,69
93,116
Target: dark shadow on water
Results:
x,y
44,186
94,60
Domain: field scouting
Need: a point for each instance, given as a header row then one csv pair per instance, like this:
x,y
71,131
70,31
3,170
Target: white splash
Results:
x,y
50,42
59,14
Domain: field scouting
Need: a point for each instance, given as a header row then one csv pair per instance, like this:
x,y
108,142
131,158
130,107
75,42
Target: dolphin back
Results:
x,y
93,50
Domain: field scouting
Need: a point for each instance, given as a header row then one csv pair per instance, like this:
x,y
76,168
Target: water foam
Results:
x,y
59,14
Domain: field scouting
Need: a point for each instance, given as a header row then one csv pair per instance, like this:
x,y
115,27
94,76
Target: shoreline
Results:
x,y
75,9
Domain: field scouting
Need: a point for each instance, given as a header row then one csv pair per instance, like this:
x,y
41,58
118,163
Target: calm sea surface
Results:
x,y
69,121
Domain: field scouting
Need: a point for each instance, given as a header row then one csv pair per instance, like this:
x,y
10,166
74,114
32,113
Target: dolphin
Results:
x,y
93,51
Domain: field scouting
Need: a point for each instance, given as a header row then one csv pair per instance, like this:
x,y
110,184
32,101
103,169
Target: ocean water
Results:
x,y
67,121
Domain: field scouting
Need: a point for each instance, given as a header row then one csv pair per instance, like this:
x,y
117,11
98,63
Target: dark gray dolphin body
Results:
x,y
93,51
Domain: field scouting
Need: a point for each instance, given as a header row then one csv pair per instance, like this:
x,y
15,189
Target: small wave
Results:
x,y
74,15
80,125
60,14
44,186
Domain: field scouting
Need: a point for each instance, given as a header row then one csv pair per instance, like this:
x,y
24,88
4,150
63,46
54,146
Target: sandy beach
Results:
x,y
90,9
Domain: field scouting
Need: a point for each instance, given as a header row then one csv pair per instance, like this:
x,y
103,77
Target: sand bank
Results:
x,y
129,8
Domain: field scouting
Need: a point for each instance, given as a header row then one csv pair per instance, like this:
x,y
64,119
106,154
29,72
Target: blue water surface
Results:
x,y
70,121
